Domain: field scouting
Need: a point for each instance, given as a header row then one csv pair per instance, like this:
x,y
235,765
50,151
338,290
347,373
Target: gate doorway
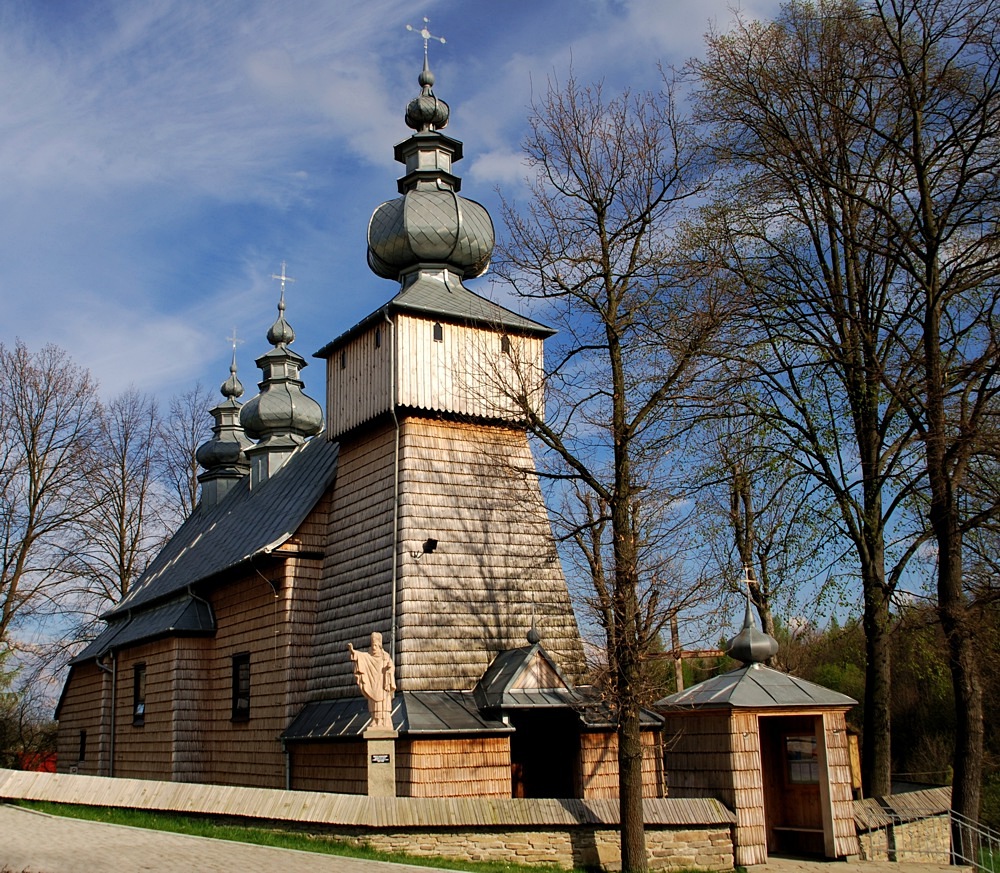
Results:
x,y
790,764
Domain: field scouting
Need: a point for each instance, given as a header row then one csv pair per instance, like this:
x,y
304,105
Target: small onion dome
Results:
x,y
280,333
430,227
750,645
534,637
224,451
426,112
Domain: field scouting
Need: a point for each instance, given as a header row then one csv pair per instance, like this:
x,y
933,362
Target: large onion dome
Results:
x,y
430,224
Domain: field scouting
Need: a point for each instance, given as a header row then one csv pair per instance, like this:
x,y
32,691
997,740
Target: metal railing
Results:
x,y
973,844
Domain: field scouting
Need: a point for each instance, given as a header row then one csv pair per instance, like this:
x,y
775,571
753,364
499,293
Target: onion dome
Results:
x,y
223,457
281,416
750,645
430,225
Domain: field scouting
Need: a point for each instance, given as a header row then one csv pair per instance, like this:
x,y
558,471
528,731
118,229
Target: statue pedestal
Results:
x,y
380,753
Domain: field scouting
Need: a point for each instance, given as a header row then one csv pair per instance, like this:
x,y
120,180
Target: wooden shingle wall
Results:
x,y
460,767
599,765
144,751
191,760
84,701
473,489
338,768
838,767
354,595
748,788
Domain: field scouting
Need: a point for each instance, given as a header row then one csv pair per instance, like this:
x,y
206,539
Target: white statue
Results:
x,y
376,678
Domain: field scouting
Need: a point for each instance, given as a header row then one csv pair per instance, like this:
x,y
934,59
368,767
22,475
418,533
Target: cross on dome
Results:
x,y
426,34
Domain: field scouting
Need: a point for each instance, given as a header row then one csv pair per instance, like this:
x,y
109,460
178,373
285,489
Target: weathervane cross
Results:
x,y
426,34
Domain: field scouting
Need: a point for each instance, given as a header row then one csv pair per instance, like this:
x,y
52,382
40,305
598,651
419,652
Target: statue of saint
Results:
x,y
376,678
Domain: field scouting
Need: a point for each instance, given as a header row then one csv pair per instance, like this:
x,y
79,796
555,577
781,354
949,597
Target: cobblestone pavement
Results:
x,y
34,842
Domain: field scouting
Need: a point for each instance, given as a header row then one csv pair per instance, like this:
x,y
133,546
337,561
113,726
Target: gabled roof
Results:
x,y
413,712
754,687
524,677
243,525
448,301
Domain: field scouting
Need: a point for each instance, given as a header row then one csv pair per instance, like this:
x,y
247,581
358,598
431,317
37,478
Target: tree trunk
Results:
x,y
633,834
876,752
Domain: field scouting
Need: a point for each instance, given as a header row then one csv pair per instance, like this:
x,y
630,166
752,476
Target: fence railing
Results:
x,y
974,844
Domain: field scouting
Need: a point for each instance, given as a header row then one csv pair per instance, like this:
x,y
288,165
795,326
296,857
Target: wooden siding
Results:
x,y
744,769
473,489
466,373
339,768
355,590
85,700
599,765
359,390
467,767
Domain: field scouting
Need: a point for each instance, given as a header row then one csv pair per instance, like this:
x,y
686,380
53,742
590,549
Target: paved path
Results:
x,y
34,842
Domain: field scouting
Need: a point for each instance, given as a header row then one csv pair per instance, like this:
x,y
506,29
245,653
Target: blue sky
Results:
x,y
159,159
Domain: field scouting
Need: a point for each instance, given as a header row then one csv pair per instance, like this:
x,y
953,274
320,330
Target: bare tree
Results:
x,y
593,248
186,427
48,427
124,519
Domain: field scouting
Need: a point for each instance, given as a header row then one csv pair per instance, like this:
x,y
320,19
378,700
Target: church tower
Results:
x,y
441,538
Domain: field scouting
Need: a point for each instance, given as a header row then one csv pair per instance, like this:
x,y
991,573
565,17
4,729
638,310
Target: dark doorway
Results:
x,y
790,760
544,753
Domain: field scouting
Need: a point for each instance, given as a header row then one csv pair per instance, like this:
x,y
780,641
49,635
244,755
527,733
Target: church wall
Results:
x,y
355,589
454,767
473,489
339,767
599,765
254,619
83,705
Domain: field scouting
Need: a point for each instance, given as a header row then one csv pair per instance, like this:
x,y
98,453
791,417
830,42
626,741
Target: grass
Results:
x,y
201,826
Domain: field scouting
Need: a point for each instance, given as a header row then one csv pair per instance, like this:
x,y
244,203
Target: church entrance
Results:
x,y
790,761
545,753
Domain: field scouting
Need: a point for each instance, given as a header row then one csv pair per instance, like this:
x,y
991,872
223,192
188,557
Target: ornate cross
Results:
x,y
426,34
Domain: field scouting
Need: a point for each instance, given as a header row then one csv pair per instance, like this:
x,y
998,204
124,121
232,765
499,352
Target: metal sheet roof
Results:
x,y
754,687
244,524
185,615
496,687
413,712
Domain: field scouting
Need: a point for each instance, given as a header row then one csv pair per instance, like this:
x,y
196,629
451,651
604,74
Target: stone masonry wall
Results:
x,y
925,840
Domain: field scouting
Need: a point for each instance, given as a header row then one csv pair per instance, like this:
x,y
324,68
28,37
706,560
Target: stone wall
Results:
x,y
925,840
709,848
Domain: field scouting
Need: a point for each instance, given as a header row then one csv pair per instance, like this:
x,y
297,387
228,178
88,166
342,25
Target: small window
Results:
x,y
343,359
241,687
139,694
505,344
803,762
82,754
438,332
378,337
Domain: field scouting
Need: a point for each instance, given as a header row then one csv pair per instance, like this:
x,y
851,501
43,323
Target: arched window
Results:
x,y
438,332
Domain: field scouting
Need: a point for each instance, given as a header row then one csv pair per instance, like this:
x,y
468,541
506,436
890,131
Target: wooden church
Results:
x,y
415,513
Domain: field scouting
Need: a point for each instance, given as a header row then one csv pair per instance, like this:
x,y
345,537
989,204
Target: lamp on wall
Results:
x,y
429,545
